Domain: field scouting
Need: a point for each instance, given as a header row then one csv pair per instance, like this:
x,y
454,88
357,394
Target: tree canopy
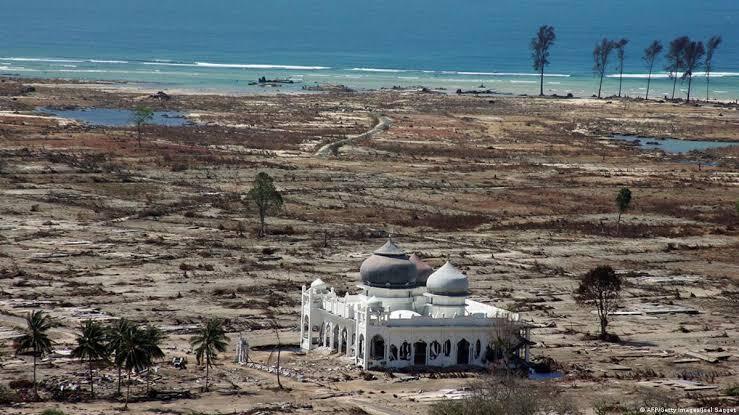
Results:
x,y
600,287
265,197
539,46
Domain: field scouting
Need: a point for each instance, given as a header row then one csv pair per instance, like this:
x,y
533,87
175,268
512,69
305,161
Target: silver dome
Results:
x,y
388,267
448,281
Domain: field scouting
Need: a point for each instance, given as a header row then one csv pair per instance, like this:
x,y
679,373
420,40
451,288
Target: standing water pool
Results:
x,y
114,117
671,145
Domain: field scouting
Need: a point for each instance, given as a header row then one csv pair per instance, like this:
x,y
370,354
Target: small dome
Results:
x,y
449,281
423,270
318,284
388,267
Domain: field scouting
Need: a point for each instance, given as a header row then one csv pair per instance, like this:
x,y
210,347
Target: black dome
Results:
x,y
388,267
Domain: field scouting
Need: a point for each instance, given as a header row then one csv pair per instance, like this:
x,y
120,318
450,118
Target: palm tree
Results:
x,y
209,340
91,346
692,55
711,46
650,55
116,333
539,46
153,338
134,354
35,340
620,52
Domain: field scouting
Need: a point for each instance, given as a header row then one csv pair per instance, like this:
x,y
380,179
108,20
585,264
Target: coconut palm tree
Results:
x,y
91,346
115,334
35,339
208,341
153,338
134,354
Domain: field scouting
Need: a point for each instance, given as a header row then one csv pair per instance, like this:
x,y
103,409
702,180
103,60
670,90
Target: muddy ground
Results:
x,y
517,191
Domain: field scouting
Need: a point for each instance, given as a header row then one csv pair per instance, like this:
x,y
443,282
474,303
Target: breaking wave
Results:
x,y
663,75
379,70
260,66
556,75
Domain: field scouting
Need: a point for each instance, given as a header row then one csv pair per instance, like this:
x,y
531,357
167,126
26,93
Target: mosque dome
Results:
x,y
423,270
449,281
388,267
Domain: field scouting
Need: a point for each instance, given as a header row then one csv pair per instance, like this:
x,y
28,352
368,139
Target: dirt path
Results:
x,y
383,123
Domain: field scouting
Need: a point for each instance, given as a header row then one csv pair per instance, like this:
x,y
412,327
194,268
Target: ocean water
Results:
x,y
223,45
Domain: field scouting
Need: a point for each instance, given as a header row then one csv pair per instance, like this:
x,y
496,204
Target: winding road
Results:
x,y
383,123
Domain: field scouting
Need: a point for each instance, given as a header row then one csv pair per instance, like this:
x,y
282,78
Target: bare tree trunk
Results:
x,y
708,82
261,222
600,85
649,80
119,379
207,371
620,79
618,223
603,325
128,390
92,386
690,80
279,349
541,82
674,83
35,387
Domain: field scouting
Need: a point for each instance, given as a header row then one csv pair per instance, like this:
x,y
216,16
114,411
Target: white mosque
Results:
x,y
407,314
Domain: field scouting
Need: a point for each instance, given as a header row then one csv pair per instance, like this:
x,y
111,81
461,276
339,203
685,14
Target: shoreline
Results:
x,y
142,87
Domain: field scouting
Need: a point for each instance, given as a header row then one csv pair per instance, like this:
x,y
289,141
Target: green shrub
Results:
x,y
52,411
7,395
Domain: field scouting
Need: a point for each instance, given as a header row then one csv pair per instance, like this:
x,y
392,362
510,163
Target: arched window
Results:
x,y
434,350
447,348
477,349
377,348
405,351
463,352
419,353
393,352
360,346
306,327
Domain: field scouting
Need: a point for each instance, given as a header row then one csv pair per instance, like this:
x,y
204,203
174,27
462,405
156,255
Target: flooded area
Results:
x,y
671,145
115,117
